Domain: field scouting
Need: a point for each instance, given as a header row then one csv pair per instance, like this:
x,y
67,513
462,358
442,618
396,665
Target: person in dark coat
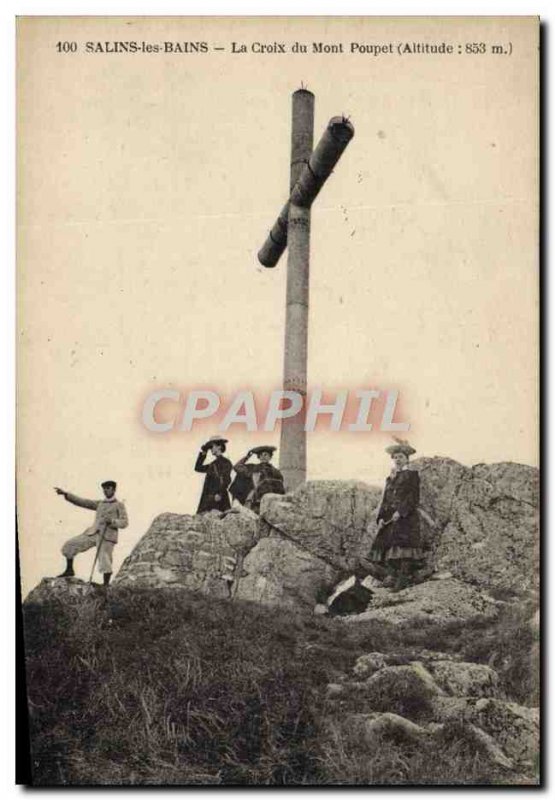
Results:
x,y
242,487
397,549
214,495
264,477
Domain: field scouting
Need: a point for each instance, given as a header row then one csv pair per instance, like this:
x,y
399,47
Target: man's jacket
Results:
x,y
110,515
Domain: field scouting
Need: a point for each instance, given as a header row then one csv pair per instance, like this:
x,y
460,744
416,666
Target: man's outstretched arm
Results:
x,y
78,501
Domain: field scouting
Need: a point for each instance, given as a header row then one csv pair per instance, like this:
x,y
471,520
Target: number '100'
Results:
x,y
66,47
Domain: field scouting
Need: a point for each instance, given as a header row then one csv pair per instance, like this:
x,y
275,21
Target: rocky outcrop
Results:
x,y
369,663
375,727
67,590
402,682
479,525
465,679
486,521
416,701
514,727
436,602
203,553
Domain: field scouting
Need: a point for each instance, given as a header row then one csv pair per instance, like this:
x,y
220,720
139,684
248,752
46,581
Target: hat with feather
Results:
x,y
400,446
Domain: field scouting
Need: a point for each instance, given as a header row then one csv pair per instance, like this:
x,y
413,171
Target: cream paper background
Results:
x,y
147,184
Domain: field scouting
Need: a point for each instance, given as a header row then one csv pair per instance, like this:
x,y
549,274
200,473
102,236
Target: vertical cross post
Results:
x,y
310,169
293,435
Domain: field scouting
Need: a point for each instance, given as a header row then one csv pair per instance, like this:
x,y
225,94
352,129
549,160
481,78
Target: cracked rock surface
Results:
x,y
203,552
436,602
487,521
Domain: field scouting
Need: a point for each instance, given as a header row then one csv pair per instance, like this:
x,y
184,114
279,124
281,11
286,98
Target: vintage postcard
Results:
x,y
278,399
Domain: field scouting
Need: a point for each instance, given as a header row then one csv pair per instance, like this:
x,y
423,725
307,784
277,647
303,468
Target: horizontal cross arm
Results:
x,y
314,174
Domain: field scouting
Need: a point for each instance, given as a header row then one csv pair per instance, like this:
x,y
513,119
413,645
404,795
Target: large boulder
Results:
x,y
487,521
396,682
464,679
333,520
515,728
369,663
278,572
203,552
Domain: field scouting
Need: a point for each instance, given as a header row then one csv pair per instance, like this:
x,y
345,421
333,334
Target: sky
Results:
x,y
146,185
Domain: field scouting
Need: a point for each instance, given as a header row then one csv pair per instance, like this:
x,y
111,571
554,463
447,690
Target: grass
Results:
x,y
388,761
147,687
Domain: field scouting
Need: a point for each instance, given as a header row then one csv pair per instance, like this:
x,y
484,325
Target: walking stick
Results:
x,y
100,541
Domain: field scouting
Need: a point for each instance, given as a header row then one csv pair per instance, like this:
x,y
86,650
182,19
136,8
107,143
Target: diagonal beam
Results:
x,y
314,174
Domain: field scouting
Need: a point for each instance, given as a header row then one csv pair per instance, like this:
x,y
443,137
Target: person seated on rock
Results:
x,y
397,548
215,496
266,479
110,517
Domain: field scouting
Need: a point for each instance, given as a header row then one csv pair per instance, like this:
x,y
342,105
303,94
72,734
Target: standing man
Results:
x,y
110,516
214,495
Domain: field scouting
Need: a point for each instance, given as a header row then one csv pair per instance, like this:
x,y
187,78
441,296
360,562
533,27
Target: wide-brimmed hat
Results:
x,y
400,446
264,448
106,484
215,440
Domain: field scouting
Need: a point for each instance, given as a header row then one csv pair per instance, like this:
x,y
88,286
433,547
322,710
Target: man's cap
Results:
x,y
264,448
400,446
106,484
215,440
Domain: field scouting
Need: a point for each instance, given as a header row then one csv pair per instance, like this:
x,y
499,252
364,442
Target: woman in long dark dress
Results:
x,y
215,496
397,548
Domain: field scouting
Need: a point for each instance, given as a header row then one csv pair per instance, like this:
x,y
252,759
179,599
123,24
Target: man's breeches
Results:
x,y
83,542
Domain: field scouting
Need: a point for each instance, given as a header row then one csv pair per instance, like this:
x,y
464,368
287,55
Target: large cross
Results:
x,y
309,171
